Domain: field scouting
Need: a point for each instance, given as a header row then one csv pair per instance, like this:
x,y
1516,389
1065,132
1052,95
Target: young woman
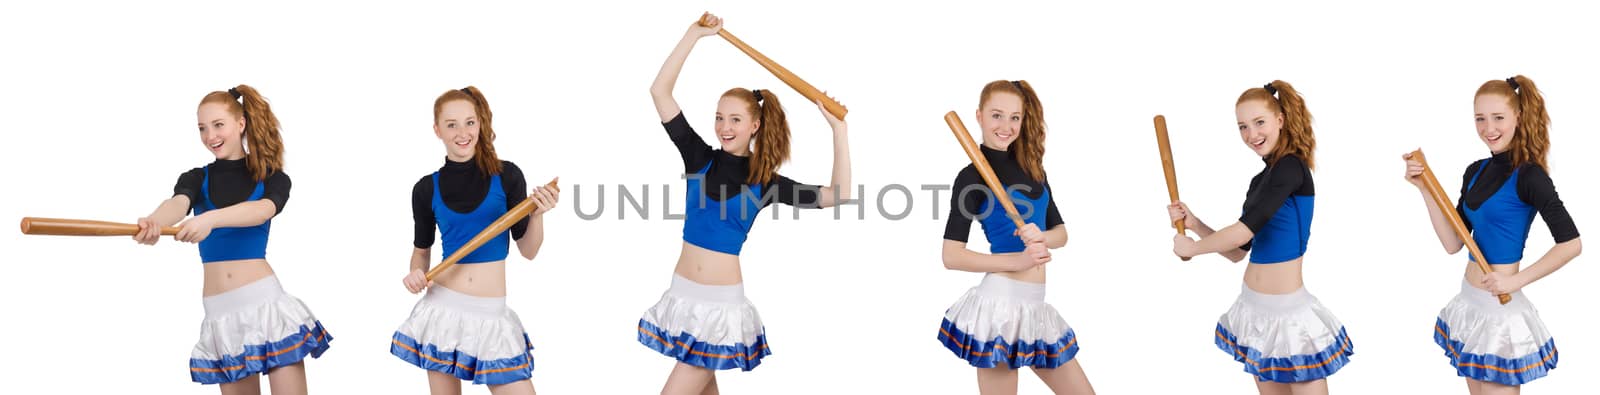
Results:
x,y
1282,334
252,326
462,329
1498,348
704,320
1004,323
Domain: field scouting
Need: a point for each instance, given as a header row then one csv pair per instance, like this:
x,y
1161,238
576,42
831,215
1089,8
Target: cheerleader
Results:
x,y
462,330
1004,323
1286,339
251,326
703,320
1500,347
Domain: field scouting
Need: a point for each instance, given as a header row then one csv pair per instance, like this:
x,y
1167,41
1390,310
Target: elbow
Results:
x,y
1577,247
529,250
950,258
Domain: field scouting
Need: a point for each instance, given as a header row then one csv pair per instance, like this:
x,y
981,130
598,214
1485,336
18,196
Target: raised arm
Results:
x,y
839,187
1441,224
661,89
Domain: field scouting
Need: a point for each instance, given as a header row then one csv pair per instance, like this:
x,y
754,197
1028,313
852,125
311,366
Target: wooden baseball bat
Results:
x,y
511,217
82,227
982,165
1166,167
788,77
1442,200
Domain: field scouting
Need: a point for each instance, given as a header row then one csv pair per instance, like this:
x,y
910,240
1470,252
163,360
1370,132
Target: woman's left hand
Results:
x,y
1029,233
1500,284
1183,246
195,229
833,122
543,197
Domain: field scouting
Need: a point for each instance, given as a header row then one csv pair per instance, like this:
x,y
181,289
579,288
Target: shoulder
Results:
x,y
508,168
1531,176
194,173
1533,171
424,184
277,176
1472,168
1289,162
968,175
1290,168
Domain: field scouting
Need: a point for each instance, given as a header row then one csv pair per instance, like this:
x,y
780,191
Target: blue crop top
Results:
x,y
224,183
1498,205
456,228
971,199
1278,209
721,207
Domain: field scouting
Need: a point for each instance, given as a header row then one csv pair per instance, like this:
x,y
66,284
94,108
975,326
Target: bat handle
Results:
x,y
1505,298
1178,224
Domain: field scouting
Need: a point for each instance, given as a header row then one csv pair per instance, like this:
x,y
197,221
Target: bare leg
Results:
x,y
246,386
1066,379
288,380
524,387
1314,387
711,387
443,384
1272,388
1474,387
999,380
687,380
1488,388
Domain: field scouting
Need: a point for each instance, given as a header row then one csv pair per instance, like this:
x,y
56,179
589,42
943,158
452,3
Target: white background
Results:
x,y
98,102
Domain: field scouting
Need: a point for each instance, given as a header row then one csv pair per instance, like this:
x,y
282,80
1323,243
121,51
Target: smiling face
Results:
x,y
1496,120
221,130
1001,120
1259,126
457,127
736,124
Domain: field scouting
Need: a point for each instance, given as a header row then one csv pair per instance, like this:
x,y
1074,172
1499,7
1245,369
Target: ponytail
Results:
x,y
1531,141
484,154
771,140
1296,138
1029,147
263,144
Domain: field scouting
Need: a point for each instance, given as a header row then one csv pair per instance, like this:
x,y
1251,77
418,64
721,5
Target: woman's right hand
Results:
x,y
1178,211
705,26
149,231
1413,170
417,281
1034,254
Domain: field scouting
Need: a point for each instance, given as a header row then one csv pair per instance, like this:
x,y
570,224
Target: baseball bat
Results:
x,y
788,77
511,217
1166,167
82,227
1442,200
1000,193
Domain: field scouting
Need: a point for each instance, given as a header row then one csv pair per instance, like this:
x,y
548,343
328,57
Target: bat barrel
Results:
x,y
783,74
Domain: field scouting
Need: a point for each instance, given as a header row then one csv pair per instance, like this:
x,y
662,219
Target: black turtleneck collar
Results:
x,y
1489,178
994,155
1502,158
228,164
